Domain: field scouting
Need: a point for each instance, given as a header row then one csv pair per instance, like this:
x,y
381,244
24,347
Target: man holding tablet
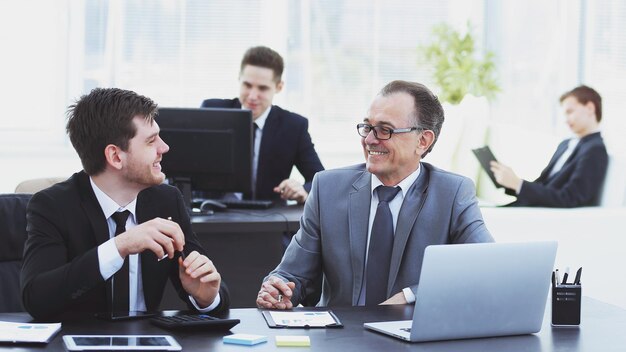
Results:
x,y
575,174
108,238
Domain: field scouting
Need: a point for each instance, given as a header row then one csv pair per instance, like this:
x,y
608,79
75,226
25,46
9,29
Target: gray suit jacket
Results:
x,y
439,208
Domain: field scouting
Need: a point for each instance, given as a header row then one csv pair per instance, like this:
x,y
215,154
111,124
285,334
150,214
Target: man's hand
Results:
x,y
398,298
505,176
291,190
158,235
275,293
199,277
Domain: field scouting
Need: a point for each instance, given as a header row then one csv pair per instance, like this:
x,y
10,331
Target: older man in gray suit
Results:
x,y
342,231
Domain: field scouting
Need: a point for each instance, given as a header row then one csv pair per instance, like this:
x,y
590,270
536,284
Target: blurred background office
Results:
x,y
338,54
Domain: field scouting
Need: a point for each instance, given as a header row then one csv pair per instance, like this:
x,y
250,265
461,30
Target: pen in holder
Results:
x,y
566,299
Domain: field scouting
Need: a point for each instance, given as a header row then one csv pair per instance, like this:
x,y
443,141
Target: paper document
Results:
x,y
27,332
311,319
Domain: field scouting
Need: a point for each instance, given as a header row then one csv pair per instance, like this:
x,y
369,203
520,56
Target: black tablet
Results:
x,y
120,342
485,156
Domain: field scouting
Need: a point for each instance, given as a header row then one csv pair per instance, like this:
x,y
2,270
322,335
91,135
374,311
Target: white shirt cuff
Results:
x,y
408,295
519,188
216,302
109,259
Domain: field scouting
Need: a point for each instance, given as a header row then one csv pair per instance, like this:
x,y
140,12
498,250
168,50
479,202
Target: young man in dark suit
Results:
x,y
109,237
575,174
282,139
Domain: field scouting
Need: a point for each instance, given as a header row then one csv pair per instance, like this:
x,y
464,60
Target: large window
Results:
x,y
604,66
338,54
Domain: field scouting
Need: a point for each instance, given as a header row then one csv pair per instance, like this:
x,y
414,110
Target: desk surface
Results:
x,y
602,329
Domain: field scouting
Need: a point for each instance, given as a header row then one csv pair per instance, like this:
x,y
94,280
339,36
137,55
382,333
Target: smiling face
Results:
x,y
142,160
257,89
392,160
580,118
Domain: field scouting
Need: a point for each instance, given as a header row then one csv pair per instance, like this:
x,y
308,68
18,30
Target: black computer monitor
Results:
x,y
210,149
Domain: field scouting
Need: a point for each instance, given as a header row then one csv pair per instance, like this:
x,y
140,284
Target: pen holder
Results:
x,y
566,305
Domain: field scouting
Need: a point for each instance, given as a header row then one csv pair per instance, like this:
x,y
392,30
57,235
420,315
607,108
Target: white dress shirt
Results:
x,y
109,257
558,165
394,206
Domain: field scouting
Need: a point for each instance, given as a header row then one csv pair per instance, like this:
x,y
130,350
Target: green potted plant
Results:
x,y
466,82
457,69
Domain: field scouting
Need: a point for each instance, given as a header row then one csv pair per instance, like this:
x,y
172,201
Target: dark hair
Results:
x,y
103,117
584,95
428,112
263,56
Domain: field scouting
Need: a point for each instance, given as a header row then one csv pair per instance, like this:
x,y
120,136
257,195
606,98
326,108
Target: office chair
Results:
x,y
35,185
12,238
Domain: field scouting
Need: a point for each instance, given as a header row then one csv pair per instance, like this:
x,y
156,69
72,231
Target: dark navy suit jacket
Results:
x,y
286,143
577,184
65,225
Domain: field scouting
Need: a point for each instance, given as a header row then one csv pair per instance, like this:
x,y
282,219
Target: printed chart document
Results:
x,y
27,332
301,319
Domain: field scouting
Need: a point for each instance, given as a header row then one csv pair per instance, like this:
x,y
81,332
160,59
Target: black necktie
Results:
x,y
381,244
121,291
255,127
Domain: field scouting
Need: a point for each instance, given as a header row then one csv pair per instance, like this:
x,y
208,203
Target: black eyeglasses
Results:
x,y
382,132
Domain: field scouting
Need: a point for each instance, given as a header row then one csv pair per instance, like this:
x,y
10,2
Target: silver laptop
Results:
x,y
478,290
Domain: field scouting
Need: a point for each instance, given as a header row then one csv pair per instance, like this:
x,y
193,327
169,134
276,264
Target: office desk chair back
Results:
x,y
12,239
478,290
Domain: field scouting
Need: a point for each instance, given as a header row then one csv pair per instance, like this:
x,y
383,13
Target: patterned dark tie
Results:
x,y
121,287
255,128
252,194
381,244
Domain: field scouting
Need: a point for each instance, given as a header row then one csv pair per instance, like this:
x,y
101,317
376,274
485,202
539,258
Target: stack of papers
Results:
x,y
27,332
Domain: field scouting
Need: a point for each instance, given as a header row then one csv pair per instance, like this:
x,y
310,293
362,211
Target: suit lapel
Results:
x,y
358,217
145,207
270,136
98,222
409,211
559,151
580,145
146,210
92,209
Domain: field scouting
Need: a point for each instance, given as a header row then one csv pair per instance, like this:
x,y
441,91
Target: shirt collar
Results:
x,y
404,184
108,205
589,135
261,120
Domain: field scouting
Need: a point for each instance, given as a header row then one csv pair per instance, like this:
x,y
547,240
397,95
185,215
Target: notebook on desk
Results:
x,y
478,290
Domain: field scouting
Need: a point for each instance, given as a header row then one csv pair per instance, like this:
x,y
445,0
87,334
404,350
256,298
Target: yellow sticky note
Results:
x,y
293,341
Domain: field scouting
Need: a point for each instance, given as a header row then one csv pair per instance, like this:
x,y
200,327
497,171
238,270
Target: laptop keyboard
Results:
x,y
246,203
193,321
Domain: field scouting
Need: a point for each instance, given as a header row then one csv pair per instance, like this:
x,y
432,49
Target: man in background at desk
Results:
x,y
575,174
365,227
281,138
108,238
